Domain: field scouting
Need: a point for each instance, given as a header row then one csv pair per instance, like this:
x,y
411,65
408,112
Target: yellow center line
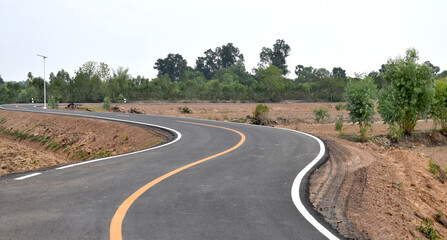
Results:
x,y
117,220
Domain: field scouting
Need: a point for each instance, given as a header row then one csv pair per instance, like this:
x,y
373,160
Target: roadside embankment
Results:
x,y
30,141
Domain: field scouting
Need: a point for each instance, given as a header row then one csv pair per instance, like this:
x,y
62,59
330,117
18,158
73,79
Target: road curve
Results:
x,y
241,194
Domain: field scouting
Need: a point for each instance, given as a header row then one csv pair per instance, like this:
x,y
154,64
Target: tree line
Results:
x,y
218,75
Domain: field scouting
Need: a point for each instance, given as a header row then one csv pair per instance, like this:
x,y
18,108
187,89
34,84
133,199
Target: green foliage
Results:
x,y
276,56
106,103
321,114
260,114
102,154
174,65
439,108
1,119
409,94
359,96
432,167
271,83
53,103
185,110
426,227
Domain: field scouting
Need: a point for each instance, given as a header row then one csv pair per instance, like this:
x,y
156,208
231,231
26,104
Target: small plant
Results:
x,y
321,114
432,167
126,136
106,103
260,114
185,110
429,230
1,119
395,132
339,124
102,154
53,103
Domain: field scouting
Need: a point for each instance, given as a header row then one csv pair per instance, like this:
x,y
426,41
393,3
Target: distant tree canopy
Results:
x,y
174,65
275,56
219,75
222,57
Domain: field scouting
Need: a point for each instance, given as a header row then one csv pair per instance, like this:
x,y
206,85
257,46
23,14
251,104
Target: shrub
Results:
x,y
429,230
439,108
432,167
359,97
53,103
260,114
321,114
409,94
106,103
339,124
185,110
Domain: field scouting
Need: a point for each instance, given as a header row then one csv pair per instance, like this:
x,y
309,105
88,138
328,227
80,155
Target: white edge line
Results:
x,y
27,176
179,136
295,191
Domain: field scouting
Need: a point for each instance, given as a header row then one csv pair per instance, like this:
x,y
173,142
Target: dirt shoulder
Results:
x,y
30,141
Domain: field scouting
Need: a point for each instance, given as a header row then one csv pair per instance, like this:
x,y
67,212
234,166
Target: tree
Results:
x,y
222,57
271,82
442,75
338,72
439,108
173,64
359,96
276,56
1,81
409,93
229,55
434,68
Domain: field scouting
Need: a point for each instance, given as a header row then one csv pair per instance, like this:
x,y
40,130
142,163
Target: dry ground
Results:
x,y
31,141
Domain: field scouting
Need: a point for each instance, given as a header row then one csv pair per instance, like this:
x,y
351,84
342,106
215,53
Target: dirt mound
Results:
x,y
367,192
68,139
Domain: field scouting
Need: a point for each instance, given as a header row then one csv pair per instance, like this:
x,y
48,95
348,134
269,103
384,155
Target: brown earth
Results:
x,y
31,141
365,190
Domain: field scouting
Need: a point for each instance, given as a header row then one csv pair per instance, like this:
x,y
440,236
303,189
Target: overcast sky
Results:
x,y
356,35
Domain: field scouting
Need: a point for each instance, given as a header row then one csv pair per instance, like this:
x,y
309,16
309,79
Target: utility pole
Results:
x,y
44,85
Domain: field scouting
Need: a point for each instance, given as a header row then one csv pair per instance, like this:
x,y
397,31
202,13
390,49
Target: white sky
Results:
x,y
356,35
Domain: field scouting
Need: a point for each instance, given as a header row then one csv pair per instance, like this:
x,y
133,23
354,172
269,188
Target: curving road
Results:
x,y
239,194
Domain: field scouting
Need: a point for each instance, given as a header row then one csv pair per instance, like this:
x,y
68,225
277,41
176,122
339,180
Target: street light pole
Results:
x,y
44,87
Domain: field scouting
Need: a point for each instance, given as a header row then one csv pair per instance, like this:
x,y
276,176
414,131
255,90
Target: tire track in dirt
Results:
x,y
331,188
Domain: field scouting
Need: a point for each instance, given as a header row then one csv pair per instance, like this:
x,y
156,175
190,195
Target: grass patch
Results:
x,y
432,167
429,230
102,154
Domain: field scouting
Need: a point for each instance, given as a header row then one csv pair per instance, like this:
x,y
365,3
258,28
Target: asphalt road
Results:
x,y
242,194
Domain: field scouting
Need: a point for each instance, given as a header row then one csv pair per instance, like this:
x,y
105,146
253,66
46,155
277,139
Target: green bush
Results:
x,y
432,167
429,230
185,110
439,108
359,97
321,114
409,94
53,103
106,103
260,114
